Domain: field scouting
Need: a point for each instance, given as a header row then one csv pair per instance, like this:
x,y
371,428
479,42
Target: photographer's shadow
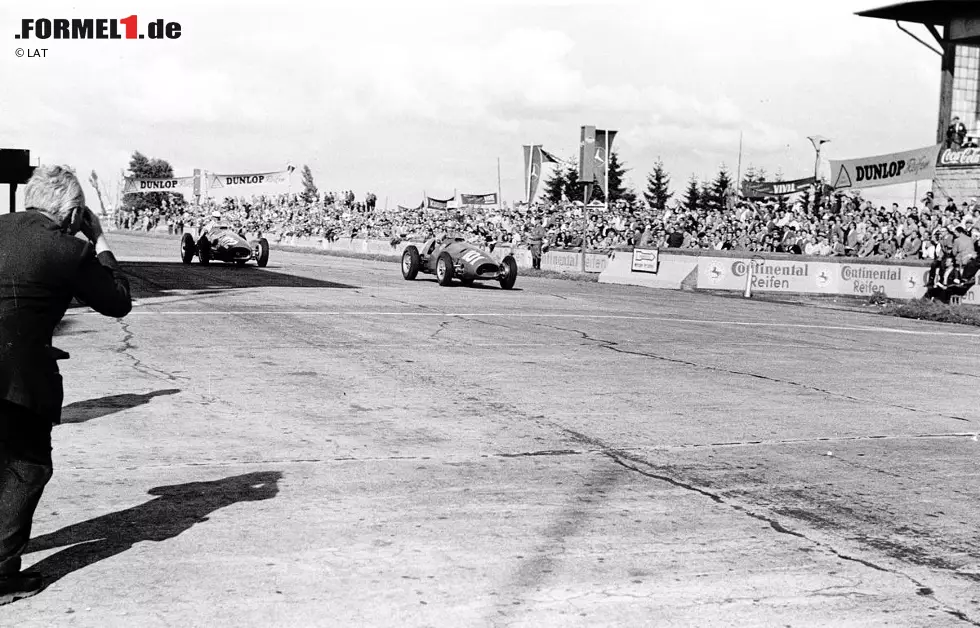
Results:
x,y
82,411
176,509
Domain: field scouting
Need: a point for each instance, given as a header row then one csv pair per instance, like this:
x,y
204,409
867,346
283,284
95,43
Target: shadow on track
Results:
x,y
82,411
154,279
175,510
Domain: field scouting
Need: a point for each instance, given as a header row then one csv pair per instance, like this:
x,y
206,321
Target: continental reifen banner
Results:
x,y
869,172
813,277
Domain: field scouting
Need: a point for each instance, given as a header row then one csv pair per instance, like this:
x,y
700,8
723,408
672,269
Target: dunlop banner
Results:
x,y
235,180
870,172
835,276
180,185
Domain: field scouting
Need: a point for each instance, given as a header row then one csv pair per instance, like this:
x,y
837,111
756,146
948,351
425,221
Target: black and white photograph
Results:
x,y
489,313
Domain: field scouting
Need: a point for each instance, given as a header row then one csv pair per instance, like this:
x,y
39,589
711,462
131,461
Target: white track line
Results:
x,y
886,330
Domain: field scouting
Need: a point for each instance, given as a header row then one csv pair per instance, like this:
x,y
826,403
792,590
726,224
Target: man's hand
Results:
x,y
91,227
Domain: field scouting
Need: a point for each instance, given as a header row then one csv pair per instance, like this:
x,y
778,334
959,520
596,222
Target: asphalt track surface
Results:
x,y
321,443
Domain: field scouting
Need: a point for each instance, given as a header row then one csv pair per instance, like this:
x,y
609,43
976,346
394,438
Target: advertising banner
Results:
x,y
478,199
235,180
435,203
835,276
180,185
962,158
645,261
870,172
763,189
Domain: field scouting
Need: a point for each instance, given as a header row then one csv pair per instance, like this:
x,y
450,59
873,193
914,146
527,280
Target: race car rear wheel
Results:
x,y
444,269
263,258
510,274
204,251
411,262
187,248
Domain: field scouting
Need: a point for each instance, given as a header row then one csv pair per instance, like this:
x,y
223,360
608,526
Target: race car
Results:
x,y
452,257
222,243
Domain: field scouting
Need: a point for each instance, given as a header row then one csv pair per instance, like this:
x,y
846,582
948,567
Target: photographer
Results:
x,y
42,266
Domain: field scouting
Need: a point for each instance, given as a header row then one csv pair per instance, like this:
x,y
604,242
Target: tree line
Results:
x,y
714,193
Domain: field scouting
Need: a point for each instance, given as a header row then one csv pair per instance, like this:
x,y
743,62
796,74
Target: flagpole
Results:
x,y
738,176
527,173
608,165
500,198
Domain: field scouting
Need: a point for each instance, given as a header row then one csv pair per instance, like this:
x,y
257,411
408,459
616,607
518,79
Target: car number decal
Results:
x,y
471,257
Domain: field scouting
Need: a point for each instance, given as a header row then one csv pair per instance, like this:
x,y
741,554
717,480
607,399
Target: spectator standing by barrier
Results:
x,y
535,241
42,266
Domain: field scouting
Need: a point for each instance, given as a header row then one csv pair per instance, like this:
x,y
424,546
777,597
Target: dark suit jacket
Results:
x,y
41,269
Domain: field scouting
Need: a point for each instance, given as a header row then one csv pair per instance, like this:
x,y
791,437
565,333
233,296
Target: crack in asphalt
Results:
x,y
442,327
624,458
128,348
614,346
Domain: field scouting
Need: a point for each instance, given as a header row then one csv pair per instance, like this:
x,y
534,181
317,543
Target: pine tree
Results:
x,y
692,196
310,193
720,189
704,202
572,188
554,187
617,183
658,191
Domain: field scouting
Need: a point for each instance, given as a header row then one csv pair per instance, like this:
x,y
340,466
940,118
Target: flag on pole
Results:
x,y
402,208
603,149
534,157
586,155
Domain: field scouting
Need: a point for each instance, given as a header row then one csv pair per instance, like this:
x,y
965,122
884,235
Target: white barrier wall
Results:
x,y
778,273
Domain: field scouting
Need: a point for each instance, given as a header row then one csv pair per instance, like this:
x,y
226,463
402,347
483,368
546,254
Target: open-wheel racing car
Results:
x,y
222,243
452,257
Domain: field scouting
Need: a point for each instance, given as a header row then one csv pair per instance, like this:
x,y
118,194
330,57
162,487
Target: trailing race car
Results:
x,y
453,256
222,243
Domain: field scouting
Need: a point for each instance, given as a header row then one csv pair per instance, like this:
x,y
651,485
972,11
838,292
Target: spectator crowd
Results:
x,y
839,226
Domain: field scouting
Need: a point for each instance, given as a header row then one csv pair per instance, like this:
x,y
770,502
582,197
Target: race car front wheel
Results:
x,y
509,277
444,269
411,262
187,248
263,253
204,251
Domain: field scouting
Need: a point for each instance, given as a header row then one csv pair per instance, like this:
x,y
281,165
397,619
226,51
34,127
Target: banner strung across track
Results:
x,y
869,172
235,180
180,185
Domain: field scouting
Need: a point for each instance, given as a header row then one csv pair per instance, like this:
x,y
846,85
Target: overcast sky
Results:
x,y
401,97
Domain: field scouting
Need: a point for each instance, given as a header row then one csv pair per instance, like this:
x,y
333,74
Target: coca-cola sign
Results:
x,y
962,158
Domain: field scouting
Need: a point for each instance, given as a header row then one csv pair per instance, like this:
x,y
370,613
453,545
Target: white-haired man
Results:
x,y
42,266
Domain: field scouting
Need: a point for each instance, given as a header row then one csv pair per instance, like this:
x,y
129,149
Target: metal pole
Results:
x,y
608,165
748,281
500,196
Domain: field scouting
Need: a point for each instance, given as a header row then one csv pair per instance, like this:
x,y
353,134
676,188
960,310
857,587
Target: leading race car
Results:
x,y
450,257
221,242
